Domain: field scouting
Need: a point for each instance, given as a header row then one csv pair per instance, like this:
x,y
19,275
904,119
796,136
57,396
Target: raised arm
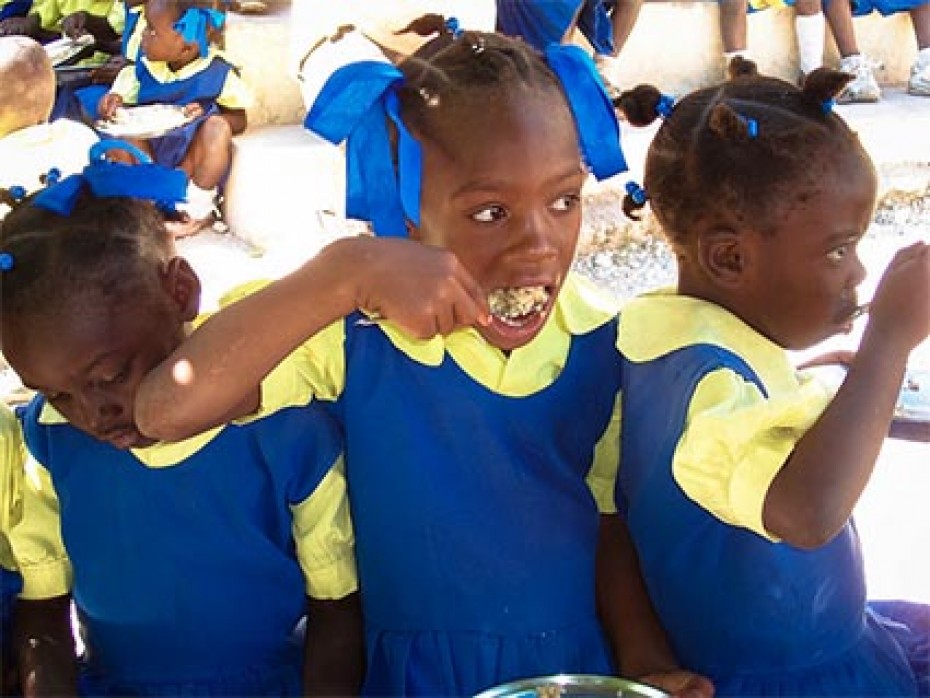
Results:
x,y
815,492
207,381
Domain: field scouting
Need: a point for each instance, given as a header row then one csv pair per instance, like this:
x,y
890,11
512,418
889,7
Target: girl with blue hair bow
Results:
x,y
475,440
178,65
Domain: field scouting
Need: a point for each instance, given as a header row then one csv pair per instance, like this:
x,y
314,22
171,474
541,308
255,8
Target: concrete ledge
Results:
x,y
286,185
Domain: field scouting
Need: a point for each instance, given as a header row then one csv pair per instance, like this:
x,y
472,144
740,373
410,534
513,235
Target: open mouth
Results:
x,y
514,305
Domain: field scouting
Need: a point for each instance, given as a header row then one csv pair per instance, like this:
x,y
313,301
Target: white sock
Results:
x,y
810,31
923,56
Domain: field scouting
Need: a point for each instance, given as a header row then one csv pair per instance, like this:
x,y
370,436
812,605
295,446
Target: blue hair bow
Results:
x,y
105,179
358,99
355,105
595,118
195,23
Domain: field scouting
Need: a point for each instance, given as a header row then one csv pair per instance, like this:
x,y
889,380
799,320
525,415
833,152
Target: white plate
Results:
x,y
914,399
64,49
149,121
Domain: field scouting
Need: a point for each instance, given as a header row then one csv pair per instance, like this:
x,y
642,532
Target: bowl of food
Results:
x,y
573,685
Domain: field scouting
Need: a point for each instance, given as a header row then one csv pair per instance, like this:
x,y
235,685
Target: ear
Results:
x,y
182,284
724,256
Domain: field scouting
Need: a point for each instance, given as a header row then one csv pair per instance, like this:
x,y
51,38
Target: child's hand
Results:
x,y
423,289
75,25
106,74
109,104
193,110
900,309
20,26
681,683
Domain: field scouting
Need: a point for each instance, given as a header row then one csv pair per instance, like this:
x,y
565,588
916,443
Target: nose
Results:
x,y
858,271
101,411
537,234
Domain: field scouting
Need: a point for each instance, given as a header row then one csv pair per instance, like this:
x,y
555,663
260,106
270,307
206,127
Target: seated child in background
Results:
x,y
919,11
48,20
29,145
473,456
809,31
190,564
605,24
179,66
739,483
12,458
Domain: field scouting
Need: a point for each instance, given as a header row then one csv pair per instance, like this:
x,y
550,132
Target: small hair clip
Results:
x,y
6,261
827,105
636,192
429,98
665,105
453,27
51,178
752,126
478,45
18,192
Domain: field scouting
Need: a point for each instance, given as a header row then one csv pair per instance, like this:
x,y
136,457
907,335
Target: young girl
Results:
x,y
12,459
739,482
467,454
190,564
179,66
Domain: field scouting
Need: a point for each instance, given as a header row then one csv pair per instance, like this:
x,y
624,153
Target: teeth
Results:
x,y
518,302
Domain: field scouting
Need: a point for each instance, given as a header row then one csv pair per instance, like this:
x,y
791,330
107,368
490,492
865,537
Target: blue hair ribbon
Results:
x,y
827,105
752,126
453,27
636,192
195,23
354,105
106,179
592,110
6,261
665,105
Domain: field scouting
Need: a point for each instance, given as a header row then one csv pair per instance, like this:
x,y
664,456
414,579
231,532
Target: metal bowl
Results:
x,y
577,685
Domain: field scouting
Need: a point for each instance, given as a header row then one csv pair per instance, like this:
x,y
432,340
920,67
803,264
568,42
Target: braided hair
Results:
x,y
740,152
456,70
107,247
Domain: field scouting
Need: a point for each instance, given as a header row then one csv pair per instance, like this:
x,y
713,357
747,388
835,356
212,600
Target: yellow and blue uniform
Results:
x,y
884,7
467,468
14,8
52,12
12,460
189,563
710,411
544,22
212,81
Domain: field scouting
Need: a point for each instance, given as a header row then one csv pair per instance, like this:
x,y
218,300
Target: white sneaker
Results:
x,y
919,84
863,87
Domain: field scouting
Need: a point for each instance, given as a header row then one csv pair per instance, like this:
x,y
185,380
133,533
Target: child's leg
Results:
x,y
622,19
809,27
210,154
919,83
119,155
733,26
863,87
839,17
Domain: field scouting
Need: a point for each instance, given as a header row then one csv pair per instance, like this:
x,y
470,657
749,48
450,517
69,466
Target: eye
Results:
x,y
837,254
117,376
490,214
566,202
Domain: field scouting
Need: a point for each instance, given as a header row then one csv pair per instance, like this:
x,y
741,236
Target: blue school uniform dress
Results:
x,y
14,8
212,81
181,558
710,411
544,22
12,461
476,529
884,7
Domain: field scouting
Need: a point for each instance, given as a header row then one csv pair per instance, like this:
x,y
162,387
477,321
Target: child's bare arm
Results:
x,y
80,23
45,647
424,289
815,492
334,648
641,648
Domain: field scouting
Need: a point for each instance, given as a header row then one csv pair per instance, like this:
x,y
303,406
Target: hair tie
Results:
x,y
636,192
18,192
826,106
354,105
6,261
592,110
752,126
453,27
107,179
665,105
195,24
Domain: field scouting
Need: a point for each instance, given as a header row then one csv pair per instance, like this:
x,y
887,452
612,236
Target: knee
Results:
x,y
215,132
